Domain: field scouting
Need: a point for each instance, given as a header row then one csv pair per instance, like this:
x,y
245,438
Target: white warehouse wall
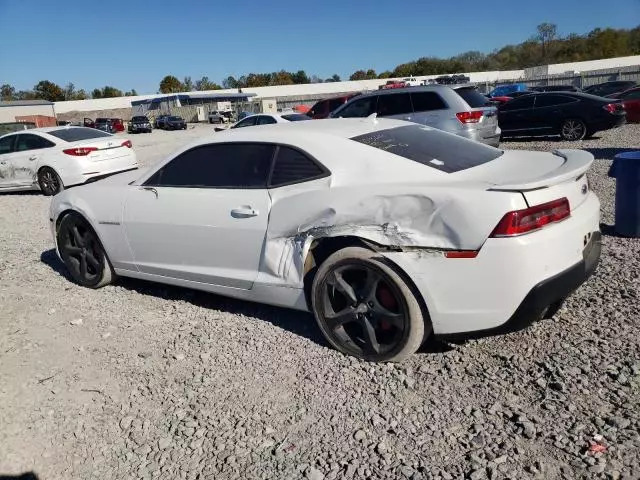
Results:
x,y
347,86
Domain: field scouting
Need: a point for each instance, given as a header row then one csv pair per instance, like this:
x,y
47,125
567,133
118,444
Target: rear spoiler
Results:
x,y
575,164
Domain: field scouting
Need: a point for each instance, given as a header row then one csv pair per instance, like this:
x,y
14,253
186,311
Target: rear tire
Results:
x,y
49,181
82,252
364,308
573,129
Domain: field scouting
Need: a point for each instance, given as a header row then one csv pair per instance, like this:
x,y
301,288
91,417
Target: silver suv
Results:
x,y
458,109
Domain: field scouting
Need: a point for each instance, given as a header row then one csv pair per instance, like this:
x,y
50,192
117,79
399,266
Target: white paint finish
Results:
x,y
188,237
73,170
206,235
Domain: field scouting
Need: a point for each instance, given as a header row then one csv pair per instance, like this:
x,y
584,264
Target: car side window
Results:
x,y
426,101
362,107
6,144
247,122
265,120
27,141
635,95
293,166
335,103
219,165
518,103
552,100
394,104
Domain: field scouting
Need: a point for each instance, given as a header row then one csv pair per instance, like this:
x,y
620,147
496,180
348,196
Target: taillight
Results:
x,y
461,254
127,143
80,151
530,219
613,107
470,117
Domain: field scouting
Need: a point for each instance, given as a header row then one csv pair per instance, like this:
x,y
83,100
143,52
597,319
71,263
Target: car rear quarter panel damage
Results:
x,y
399,216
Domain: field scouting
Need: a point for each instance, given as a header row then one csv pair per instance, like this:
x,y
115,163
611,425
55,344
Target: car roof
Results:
x,y
420,88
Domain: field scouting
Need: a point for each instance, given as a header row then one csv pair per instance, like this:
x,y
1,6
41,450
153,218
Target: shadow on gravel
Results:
x,y
24,476
608,153
548,138
610,231
297,322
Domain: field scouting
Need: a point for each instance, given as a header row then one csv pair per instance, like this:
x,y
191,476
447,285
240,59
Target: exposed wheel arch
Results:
x,y
323,248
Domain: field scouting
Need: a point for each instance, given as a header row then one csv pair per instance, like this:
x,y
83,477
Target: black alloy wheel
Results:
x,y
49,181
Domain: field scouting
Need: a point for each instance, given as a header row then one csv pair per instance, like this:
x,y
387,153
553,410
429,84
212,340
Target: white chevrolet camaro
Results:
x,y
53,158
387,231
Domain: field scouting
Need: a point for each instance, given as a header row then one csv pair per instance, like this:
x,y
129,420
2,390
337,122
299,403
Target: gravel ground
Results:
x,y
144,381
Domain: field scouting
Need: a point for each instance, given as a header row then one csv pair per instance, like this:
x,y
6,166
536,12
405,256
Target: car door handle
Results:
x,y
33,157
244,211
151,189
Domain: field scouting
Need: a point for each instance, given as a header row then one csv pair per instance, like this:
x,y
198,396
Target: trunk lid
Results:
x,y
107,148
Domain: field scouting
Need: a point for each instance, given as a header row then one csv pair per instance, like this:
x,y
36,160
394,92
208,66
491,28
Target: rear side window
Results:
x,y
335,103
362,107
394,104
518,103
265,120
293,166
473,97
425,101
77,134
553,100
6,144
431,147
296,117
247,122
27,141
224,165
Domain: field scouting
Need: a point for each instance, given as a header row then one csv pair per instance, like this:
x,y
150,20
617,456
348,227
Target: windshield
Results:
x,y
434,148
76,134
139,119
174,118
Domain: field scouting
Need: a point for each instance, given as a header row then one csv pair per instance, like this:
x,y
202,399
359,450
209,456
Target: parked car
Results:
x,y
393,84
571,115
316,216
118,124
159,121
499,100
216,116
87,122
555,88
139,123
242,115
266,119
54,158
610,88
411,81
174,122
105,125
323,108
631,101
520,94
505,90
458,109
62,123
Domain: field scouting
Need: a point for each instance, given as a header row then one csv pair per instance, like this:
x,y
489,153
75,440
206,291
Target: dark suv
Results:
x,y
105,124
609,88
138,124
323,108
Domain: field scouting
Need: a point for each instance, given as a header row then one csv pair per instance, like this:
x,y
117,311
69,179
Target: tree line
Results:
x,y
544,48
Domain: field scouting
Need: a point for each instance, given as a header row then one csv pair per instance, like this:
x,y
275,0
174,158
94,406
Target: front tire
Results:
x,y
82,252
364,308
49,182
573,129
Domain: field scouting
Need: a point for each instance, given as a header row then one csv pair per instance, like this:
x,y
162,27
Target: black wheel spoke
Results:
x,y
83,267
91,260
370,338
368,290
393,319
338,281
72,250
77,237
338,319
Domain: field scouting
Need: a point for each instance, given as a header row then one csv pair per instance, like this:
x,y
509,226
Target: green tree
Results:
x,y
96,93
111,92
205,84
300,77
171,84
358,75
281,78
69,91
188,84
385,74
371,74
230,82
547,32
7,92
80,95
47,90
131,93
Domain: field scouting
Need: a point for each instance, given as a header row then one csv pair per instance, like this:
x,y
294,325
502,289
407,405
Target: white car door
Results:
x,y
30,150
203,216
7,173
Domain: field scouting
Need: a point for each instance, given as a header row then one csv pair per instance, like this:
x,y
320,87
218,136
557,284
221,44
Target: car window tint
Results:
x,y
430,147
293,166
472,96
632,95
362,107
394,104
247,122
335,103
552,100
265,120
224,165
425,101
6,144
32,142
75,134
518,103
296,117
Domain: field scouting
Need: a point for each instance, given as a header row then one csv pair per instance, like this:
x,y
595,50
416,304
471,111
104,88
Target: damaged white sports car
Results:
x,y
387,231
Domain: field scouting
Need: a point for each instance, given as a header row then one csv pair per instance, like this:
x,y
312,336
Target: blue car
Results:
x,y
505,90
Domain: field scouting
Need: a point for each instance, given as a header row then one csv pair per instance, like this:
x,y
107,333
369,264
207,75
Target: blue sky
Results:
x,y
133,44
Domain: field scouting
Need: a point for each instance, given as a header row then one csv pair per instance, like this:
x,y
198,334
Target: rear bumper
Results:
x,y
88,171
545,295
492,139
606,123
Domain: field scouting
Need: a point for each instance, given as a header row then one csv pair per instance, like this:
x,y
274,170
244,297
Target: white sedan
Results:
x,y
266,119
387,231
53,158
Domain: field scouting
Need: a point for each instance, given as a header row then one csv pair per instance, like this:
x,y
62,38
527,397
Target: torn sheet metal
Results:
x,y
394,216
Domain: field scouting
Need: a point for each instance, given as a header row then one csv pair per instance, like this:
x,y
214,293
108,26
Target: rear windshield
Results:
x,y
102,120
473,97
433,148
76,134
296,117
174,118
139,119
